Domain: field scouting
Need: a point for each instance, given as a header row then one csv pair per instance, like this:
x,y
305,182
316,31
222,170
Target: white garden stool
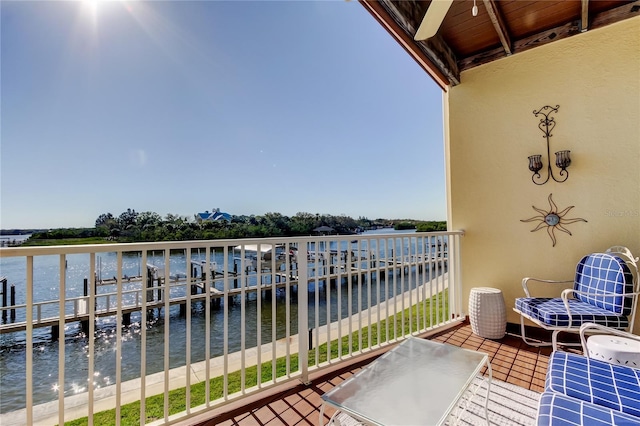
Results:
x,y
487,312
614,349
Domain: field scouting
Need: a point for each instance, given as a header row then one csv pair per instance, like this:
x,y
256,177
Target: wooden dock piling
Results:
x,y
149,284
84,324
8,299
13,302
4,298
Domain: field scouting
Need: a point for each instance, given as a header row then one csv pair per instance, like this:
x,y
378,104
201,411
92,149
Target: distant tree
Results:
x,y
432,226
62,233
104,220
344,224
146,220
276,224
175,219
404,225
127,219
105,225
302,223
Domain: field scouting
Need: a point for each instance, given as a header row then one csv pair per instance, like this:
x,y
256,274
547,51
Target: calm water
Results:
x,y
45,354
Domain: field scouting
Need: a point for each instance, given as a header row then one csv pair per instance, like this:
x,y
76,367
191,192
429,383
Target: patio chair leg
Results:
x,y
527,341
554,339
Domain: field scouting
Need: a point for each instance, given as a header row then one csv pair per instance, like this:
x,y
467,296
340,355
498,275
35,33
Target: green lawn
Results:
x,y
398,325
66,241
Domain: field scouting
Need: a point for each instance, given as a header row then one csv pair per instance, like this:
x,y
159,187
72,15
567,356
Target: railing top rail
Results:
x,y
170,245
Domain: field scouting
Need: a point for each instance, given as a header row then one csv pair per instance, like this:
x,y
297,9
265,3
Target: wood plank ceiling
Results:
x,y
501,28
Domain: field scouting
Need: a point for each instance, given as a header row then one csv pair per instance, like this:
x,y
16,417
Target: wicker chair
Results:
x,y
605,292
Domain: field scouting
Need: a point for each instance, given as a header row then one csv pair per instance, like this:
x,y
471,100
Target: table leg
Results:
x,y
321,419
486,400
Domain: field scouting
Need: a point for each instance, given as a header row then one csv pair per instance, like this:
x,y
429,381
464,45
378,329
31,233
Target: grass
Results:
x,y
65,241
398,325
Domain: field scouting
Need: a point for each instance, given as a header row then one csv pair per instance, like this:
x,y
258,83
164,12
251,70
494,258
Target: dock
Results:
x,y
149,291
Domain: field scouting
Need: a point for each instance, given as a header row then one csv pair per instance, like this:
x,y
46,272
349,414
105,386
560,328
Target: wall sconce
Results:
x,y
563,159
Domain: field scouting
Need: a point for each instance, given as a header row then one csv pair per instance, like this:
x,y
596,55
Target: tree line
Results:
x,y
132,226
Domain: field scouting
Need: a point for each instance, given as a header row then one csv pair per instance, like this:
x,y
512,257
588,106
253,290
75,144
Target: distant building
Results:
x,y
216,214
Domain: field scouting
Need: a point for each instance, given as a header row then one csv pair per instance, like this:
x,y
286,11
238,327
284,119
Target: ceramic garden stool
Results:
x,y
614,350
487,312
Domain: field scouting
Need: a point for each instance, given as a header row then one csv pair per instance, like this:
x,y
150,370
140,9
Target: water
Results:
x,y
45,353
12,240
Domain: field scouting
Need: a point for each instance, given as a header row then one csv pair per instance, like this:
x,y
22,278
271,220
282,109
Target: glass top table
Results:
x,y
419,382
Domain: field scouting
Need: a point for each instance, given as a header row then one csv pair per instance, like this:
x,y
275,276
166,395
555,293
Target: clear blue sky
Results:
x,y
183,106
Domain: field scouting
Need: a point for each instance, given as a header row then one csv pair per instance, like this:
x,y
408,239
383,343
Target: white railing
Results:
x,y
124,322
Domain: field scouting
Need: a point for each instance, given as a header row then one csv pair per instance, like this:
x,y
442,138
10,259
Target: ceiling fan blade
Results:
x,y
432,19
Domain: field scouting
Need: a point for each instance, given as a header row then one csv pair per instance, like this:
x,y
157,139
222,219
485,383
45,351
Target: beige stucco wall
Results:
x,y
490,131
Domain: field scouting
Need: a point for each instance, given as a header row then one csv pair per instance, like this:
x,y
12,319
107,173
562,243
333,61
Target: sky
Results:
x,y
185,106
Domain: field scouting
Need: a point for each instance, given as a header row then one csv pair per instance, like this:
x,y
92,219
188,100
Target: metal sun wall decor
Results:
x,y
563,160
552,219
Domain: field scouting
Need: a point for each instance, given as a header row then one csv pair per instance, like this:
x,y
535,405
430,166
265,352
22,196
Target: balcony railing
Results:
x,y
185,326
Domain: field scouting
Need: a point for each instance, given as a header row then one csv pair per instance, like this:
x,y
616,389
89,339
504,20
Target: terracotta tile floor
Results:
x,y
512,361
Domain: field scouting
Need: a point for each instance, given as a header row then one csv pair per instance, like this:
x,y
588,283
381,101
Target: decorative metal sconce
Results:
x,y
563,160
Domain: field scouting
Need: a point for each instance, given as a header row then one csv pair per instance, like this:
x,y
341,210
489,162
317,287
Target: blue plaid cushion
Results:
x,y
560,410
591,380
553,312
603,272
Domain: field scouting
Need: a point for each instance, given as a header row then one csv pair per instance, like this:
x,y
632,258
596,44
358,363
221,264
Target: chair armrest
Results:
x,y
565,298
526,280
591,327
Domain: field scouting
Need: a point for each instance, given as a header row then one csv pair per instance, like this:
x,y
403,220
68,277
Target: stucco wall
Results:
x,y
490,130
